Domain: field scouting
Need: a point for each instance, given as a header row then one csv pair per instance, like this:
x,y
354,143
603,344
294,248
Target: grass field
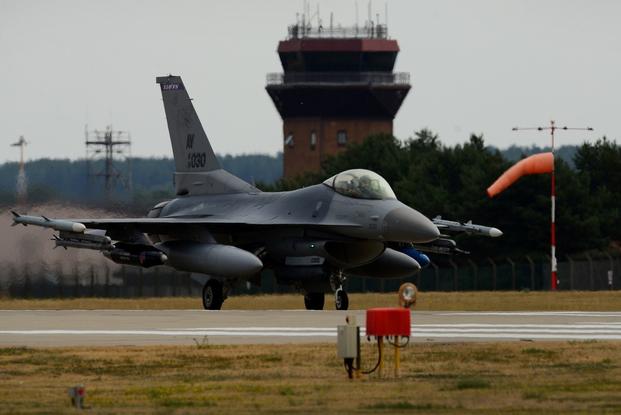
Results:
x,y
455,378
470,378
466,301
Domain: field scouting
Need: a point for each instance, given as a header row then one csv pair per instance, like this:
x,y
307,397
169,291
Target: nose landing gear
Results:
x,y
341,300
315,300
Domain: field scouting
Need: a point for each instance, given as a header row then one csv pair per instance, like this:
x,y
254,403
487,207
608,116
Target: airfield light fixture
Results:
x,y
407,295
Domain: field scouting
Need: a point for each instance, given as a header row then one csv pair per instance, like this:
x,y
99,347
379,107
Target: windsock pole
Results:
x,y
553,264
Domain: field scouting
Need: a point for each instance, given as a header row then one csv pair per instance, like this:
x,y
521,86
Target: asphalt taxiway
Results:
x,y
43,328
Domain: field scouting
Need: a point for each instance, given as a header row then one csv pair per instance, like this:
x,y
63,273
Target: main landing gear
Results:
x,y
213,295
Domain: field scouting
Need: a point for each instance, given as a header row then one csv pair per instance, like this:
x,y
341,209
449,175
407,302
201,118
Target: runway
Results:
x,y
43,328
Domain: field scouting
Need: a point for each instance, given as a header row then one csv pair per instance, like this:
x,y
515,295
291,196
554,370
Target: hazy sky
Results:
x,y
476,66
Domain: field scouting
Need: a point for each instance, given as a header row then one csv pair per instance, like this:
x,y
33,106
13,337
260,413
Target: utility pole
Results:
x,y
22,185
553,266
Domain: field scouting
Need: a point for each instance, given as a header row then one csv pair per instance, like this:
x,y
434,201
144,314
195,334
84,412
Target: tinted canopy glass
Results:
x,y
361,184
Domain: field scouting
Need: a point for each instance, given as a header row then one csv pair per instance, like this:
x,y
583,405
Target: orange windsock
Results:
x,y
535,164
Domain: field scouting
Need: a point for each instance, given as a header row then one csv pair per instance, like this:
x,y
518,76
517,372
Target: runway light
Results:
x,y
407,295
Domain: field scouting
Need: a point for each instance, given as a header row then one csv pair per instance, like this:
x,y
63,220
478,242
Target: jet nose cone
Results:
x,y
404,224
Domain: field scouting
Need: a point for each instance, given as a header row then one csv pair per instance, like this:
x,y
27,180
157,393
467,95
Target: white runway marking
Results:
x,y
103,327
276,332
427,331
533,313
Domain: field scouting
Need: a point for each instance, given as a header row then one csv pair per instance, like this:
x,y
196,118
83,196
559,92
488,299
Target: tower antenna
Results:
x,y
22,184
386,16
112,148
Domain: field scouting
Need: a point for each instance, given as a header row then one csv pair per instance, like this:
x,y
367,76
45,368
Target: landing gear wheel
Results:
x,y
213,295
341,300
314,301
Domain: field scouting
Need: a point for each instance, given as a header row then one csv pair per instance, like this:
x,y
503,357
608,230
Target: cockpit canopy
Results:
x,y
361,184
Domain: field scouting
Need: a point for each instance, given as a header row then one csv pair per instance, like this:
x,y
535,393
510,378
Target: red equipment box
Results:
x,y
388,322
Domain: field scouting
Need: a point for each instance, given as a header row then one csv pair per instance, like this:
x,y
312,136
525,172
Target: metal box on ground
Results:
x,y
388,322
347,342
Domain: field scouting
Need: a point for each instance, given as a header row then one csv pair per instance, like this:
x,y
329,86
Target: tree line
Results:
x,y
151,180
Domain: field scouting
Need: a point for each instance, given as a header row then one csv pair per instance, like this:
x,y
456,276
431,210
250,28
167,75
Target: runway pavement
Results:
x,y
39,328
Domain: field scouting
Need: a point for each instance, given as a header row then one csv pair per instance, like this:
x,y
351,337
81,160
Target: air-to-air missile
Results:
x,y
56,224
83,240
442,246
468,227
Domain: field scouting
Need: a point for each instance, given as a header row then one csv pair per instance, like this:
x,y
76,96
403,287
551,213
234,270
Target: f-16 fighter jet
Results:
x,y
219,225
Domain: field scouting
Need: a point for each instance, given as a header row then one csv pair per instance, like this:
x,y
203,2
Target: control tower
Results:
x,y
338,87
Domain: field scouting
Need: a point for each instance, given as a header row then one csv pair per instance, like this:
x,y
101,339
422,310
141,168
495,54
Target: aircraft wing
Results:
x,y
160,225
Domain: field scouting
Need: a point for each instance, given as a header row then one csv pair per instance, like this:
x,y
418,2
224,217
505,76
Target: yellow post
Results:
x,y
380,339
397,356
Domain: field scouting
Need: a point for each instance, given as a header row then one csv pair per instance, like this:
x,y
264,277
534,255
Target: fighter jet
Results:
x,y
312,238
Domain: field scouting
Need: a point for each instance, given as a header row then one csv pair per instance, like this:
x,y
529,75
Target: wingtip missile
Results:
x,y
15,216
56,224
468,227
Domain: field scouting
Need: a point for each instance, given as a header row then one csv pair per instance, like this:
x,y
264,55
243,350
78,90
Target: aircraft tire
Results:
x,y
213,295
314,301
341,299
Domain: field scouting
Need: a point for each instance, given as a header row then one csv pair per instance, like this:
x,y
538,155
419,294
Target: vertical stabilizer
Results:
x,y
190,145
197,170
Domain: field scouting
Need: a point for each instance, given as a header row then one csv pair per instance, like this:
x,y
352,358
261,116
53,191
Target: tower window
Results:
x,y
341,138
313,140
289,140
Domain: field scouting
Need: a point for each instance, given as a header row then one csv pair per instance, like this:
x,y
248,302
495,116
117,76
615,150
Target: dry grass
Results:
x,y
466,301
564,377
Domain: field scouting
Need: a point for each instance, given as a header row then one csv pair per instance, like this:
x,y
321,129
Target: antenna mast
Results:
x,y
22,184
110,147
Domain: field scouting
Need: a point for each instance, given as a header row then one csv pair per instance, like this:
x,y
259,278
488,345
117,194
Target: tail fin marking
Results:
x,y
197,170
191,148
